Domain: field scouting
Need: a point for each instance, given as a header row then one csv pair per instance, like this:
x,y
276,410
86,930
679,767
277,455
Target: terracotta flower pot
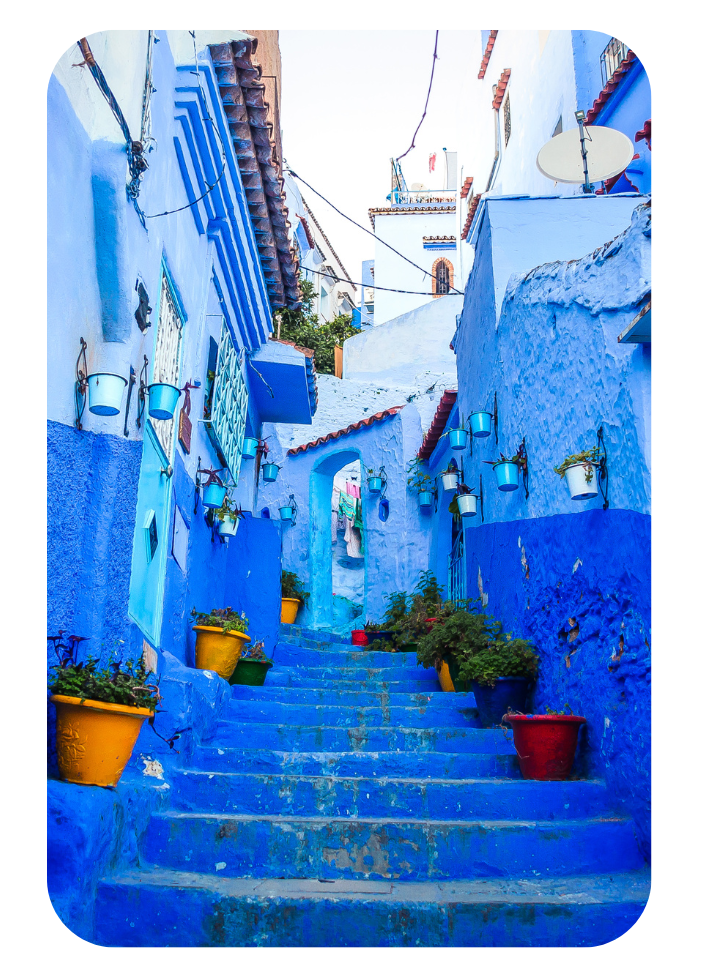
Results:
x,y
546,744
218,651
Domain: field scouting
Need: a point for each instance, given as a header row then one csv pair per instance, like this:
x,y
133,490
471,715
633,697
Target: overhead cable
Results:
x,y
384,289
428,95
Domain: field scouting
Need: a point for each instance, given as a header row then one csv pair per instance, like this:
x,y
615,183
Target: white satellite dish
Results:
x,y
418,187
608,152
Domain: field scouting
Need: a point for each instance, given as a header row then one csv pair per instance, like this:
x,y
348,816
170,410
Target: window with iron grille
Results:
x,y
613,54
166,357
507,119
229,404
442,279
456,572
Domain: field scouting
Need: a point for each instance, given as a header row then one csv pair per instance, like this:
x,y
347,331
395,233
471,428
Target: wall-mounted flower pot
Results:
x,y
577,484
213,495
481,424
425,498
105,393
270,472
458,438
95,739
250,447
546,744
251,672
467,504
162,399
228,527
285,513
507,476
218,651
374,484
494,702
450,481
288,610
359,638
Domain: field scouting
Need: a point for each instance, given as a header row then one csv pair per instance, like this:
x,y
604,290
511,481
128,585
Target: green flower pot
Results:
x,y
251,672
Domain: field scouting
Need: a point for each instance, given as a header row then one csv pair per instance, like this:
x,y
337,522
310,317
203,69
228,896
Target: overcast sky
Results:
x,y
351,100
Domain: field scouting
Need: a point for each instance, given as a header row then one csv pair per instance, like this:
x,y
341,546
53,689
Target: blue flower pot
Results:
x,y
425,498
285,513
507,476
458,438
493,702
213,495
250,447
105,393
162,399
374,484
481,424
270,472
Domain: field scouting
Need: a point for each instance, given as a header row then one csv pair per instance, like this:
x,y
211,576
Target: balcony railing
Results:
x,y
422,198
613,54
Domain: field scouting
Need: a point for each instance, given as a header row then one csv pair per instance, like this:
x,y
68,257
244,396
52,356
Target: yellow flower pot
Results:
x,y
289,610
444,678
218,651
95,739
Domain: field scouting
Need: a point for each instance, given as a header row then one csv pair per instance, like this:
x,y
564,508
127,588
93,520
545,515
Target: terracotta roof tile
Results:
x,y
470,216
610,87
370,420
645,134
435,209
466,187
501,88
487,53
445,407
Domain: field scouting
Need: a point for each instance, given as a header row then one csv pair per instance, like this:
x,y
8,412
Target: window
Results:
x,y
166,356
442,281
229,404
507,119
613,54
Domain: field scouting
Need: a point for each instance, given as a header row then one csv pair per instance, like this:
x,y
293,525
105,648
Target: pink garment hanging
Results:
x,y
353,490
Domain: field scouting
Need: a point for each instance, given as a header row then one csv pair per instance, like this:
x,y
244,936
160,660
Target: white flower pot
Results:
x,y
467,504
228,527
450,481
577,484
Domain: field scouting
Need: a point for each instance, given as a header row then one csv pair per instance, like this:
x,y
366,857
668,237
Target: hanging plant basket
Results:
x,y
374,484
507,476
581,481
228,527
162,399
285,513
458,438
270,472
250,447
105,393
467,504
425,498
546,744
480,424
213,494
449,479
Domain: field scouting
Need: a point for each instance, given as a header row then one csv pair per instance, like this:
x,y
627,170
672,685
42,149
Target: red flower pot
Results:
x,y
432,620
359,638
546,744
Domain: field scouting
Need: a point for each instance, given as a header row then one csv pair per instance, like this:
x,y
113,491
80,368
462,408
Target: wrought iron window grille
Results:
x,y
611,57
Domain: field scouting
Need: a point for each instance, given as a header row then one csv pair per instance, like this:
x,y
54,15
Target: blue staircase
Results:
x,y
350,802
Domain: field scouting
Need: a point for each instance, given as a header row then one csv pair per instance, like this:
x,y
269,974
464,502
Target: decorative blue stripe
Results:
x,y
191,195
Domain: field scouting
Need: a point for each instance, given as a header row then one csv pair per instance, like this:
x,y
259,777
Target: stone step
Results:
x,y
318,738
160,907
353,698
287,654
303,635
309,675
415,798
446,765
389,848
445,715
427,684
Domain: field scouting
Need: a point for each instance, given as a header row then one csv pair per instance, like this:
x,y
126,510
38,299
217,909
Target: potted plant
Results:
x,y
270,472
293,596
359,638
506,470
458,435
501,669
465,501
99,714
580,472
252,667
422,611
162,400
250,448
444,648
480,424
375,632
105,393
214,490
374,481
221,636
420,481
449,476
546,744
228,517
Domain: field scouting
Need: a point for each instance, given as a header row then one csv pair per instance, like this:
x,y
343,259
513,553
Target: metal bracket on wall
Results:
x,y
523,463
602,469
293,505
481,499
132,382
383,485
143,378
81,384
198,484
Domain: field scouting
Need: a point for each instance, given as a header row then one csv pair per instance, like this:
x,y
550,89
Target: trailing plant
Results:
x,y
293,587
589,456
417,479
126,683
303,328
226,619
256,652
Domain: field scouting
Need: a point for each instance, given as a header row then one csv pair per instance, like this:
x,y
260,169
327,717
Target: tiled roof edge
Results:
x,y
353,427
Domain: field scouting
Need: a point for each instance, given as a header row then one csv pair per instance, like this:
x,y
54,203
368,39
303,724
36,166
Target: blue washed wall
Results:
x,y
541,562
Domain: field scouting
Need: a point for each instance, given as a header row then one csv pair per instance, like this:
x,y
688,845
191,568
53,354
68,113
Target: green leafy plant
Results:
x,y
386,646
293,587
228,509
396,609
450,468
453,505
128,683
426,602
256,652
226,619
372,627
588,456
549,711
303,328
519,459
418,479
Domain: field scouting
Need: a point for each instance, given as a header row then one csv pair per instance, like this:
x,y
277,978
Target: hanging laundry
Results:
x,y
347,505
353,490
431,162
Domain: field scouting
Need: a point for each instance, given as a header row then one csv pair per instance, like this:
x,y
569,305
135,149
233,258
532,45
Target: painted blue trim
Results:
x,y
235,339
191,195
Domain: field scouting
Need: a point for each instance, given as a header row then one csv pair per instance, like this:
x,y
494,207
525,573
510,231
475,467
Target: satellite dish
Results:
x,y
418,187
608,152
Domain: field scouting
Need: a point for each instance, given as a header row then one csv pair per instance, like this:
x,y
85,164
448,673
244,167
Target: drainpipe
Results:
x,y
497,147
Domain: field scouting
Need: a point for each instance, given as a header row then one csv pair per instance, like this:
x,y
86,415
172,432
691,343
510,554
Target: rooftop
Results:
x,y
354,427
437,427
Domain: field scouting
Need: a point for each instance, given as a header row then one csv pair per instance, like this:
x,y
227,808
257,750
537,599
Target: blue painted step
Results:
x,y
209,910
410,850
353,698
287,654
333,715
335,674
343,796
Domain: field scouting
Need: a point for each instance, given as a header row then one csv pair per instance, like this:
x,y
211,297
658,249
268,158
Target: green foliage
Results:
x,y
118,683
293,587
519,459
418,479
225,619
588,456
302,327
453,505
228,509
549,711
372,627
503,657
406,615
386,646
256,652
396,609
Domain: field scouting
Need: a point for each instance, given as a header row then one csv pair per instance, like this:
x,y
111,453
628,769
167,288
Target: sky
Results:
x,y
351,100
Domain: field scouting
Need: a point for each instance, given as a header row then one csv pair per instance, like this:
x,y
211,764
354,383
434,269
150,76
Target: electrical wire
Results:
x,y
384,289
430,85
381,240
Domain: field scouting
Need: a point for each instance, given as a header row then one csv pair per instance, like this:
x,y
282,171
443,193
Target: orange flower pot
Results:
x,y
95,739
444,677
289,610
218,651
